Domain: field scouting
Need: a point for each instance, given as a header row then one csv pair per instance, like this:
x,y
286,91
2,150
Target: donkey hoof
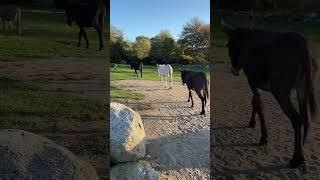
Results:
x,y
202,113
252,124
263,141
301,165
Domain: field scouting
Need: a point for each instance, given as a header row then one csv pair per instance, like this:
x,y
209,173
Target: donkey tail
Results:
x,y
311,72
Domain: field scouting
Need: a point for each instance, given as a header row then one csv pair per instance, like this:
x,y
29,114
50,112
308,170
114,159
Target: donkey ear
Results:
x,y
226,28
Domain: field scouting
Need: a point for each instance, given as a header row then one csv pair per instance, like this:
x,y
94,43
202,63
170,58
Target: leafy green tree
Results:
x,y
162,46
195,38
141,47
118,44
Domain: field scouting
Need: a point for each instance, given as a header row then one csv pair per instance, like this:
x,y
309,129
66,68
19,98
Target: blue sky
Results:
x,y
149,17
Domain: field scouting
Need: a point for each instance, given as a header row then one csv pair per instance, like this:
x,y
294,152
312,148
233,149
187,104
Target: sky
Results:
x,y
149,17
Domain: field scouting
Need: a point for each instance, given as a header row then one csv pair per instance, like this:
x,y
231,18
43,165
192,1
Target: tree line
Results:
x,y
191,47
242,5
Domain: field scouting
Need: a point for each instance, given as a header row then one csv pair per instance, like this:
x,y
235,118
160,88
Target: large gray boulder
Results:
x,y
25,155
133,171
126,134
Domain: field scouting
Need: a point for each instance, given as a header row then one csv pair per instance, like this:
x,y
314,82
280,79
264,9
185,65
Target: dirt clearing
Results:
x,y
177,136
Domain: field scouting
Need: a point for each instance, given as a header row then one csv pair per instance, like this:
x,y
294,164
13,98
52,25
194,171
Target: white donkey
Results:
x,y
166,72
11,13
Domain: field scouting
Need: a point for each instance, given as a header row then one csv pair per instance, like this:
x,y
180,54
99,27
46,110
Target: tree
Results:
x,y
141,47
117,48
162,47
195,38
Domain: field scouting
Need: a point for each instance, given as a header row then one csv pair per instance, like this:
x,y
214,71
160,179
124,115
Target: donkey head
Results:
x,y
234,45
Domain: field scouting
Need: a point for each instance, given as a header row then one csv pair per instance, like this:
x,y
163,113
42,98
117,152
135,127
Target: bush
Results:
x,y
185,59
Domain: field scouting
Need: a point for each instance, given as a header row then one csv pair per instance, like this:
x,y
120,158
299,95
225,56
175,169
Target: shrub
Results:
x,y
185,59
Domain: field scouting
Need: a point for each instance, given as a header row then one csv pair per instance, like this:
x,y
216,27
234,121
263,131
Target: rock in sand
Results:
x,y
126,134
25,155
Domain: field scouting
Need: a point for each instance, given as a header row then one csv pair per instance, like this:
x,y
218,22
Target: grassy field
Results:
x,y
117,93
25,105
311,30
124,72
46,34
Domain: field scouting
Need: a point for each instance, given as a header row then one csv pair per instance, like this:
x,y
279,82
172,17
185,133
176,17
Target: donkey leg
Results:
x,y
18,28
163,84
80,36
287,107
259,108
166,82
254,103
86,38
191,98
99,30
136,73
303,108
202,101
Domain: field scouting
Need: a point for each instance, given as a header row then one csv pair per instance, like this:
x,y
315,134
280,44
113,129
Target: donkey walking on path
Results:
x,y
166,73
197,81
279,63
11,14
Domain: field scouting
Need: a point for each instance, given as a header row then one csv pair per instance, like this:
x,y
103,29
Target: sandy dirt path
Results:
x,y
177,136
235,150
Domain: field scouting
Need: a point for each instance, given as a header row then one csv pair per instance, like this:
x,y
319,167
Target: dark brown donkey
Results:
x,y
279,63
87,13
198,82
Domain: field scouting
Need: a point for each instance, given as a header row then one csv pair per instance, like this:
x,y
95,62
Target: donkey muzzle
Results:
x,y
234,71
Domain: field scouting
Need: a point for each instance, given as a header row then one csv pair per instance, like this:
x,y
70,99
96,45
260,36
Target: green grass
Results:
x,y
45,34
142,107
24,105
311,30
124,72
121,94
117,93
